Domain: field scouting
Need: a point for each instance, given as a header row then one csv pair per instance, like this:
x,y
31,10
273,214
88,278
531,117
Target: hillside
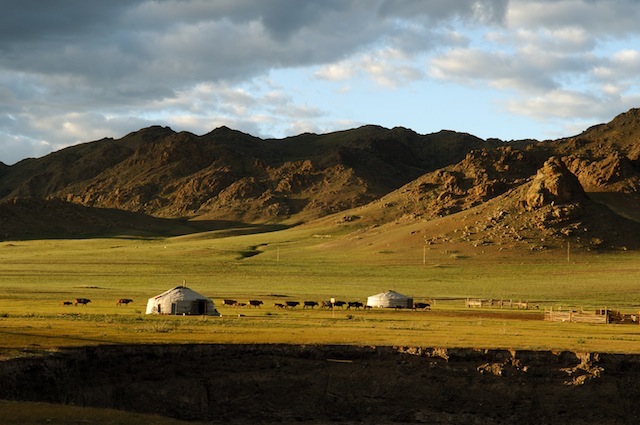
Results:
x,y
583,188
226,174
541,215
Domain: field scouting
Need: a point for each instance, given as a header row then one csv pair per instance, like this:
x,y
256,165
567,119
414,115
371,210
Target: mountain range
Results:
x,y
156,181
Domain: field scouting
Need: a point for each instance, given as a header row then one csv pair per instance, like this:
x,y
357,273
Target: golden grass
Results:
x,y
307,263
445,326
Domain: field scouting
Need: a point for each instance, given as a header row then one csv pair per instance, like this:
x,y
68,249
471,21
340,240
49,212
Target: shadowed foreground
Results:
x,y
329,384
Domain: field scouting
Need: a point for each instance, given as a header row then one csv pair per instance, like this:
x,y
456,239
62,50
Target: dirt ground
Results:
x,y
242,384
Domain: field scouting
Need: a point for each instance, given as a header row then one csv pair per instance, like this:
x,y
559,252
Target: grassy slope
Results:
x,y
307,263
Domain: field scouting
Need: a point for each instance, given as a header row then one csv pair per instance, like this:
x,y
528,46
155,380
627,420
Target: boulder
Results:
x,y
553,184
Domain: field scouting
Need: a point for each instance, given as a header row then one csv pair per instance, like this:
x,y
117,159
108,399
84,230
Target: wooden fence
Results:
x,y
478,303
600,316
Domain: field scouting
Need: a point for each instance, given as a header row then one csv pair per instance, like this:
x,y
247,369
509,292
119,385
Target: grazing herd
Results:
x,y
85,301
348,305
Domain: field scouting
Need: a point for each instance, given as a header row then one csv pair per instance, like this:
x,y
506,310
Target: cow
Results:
x,y
310,304
355,304
67,302
421,306
340,303
292,304
255,303
124,301
326,304
233,303
83,301
279,305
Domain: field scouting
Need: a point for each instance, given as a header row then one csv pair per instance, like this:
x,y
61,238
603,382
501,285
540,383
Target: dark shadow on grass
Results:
x,y
37,219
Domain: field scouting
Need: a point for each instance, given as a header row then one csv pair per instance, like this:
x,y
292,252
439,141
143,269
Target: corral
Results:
x,y
601,316
498,303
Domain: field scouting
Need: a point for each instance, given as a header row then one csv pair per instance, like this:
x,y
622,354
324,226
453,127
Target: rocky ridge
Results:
x,y
228,176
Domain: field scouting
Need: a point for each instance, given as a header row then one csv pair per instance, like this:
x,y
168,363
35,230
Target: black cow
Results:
x,y
230,302
355,304
340,303
124,301
421,306
83,301
67,302
292,304
255,303
310,304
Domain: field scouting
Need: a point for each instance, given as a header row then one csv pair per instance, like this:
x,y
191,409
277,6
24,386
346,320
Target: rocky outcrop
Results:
x,y
554,184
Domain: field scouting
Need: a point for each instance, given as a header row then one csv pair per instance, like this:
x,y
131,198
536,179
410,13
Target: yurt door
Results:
x,y
174,308
202,306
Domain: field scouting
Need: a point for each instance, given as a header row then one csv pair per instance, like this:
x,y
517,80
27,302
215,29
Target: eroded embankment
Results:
x,y
278,383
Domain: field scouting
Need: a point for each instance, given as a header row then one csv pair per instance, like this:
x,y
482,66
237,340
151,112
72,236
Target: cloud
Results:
x,y
67,57
72,70
621,66
177,42
498,69
599,17
485,11
553,58
386,67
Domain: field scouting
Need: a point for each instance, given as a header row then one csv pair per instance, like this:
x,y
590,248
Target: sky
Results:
x,y
73,71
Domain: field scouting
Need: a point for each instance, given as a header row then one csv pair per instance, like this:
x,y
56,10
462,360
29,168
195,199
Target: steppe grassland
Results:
x,y
300,264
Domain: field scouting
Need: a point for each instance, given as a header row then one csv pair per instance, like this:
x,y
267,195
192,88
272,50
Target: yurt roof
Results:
x,y
391,295
185,293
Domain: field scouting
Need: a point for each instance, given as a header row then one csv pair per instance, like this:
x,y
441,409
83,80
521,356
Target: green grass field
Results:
x,y
300,264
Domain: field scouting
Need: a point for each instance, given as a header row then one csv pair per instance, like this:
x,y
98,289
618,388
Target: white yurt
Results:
x,y
390,299
181,300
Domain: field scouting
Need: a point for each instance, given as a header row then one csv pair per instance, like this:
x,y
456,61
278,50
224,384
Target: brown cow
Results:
x,y
83,301
124,301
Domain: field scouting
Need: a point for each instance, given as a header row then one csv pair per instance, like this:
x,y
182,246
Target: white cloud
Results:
x,y
557,103
500,70
388,67
340,71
